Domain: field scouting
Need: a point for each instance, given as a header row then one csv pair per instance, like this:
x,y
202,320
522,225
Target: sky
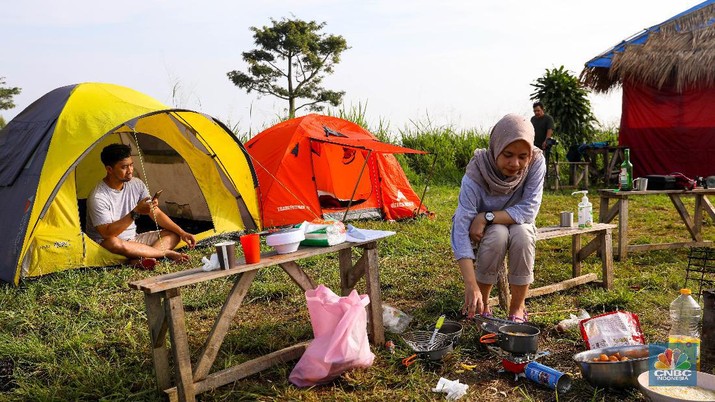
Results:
x,y
462,64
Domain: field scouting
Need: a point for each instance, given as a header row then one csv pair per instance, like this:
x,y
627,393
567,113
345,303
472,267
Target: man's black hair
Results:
x,y
113,153
539,104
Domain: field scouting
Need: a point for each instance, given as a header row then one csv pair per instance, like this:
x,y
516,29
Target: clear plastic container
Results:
x,y
685,315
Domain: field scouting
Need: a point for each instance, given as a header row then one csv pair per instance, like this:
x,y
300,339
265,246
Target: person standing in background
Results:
x,y
543,126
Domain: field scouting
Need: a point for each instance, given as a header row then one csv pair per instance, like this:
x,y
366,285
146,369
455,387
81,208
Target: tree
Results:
x,y
6,94
566,100
294,52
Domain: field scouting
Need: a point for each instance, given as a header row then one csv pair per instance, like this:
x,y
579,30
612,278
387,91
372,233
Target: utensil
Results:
x,y
437,326
419,341
407,361
620,374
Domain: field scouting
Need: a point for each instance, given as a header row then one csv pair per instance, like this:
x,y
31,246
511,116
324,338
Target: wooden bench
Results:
x,y
601,243
165,314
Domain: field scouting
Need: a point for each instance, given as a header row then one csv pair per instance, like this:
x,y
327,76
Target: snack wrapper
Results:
x,y
617,328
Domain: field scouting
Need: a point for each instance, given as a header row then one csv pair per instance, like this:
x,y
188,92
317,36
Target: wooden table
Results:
x,y
165,313
612,158
692,223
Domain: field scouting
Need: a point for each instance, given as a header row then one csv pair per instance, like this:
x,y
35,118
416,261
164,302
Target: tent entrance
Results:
x,y
338,180
160,167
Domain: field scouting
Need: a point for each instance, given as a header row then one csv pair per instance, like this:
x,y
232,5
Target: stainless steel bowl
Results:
x,y
616,374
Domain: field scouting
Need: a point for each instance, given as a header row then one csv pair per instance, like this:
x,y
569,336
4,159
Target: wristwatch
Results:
x,y
489,216
135,215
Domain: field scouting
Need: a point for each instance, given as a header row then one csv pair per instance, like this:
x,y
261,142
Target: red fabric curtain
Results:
x,y
669,131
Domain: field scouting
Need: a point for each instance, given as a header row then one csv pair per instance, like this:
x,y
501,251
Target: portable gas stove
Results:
x,y
514,363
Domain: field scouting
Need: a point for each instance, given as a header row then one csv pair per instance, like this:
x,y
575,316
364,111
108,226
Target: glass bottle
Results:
x,y
625,177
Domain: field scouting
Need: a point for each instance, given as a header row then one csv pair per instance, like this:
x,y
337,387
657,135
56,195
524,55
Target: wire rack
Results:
x,y
701,268
419,341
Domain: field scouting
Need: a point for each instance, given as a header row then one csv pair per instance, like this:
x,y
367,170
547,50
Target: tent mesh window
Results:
x,y
701,268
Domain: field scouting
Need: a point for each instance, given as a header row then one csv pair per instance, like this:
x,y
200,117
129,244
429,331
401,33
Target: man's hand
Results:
x,y
476,229
189,239
146,206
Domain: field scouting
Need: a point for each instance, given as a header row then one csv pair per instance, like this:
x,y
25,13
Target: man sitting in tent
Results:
x,y
115,204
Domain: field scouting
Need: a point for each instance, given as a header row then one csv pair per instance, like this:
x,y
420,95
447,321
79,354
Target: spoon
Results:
x,y
437,326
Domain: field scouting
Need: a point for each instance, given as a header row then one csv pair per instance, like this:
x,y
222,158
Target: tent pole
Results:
x,y
429,177
357,182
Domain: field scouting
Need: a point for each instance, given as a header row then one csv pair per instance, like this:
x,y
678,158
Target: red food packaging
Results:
x,y
617,328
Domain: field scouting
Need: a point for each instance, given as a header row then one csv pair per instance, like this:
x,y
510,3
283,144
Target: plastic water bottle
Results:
x,y
685,314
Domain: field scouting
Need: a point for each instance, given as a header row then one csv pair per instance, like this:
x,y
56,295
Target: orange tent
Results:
x,y
320,167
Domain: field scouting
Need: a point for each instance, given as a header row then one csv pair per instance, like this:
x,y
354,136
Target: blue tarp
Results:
x,y
604,59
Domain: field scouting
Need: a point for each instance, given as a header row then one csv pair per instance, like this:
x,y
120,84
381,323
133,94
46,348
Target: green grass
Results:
x,y
82,334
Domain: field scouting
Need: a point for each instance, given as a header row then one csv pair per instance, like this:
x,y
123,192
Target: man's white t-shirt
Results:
x,y
106,205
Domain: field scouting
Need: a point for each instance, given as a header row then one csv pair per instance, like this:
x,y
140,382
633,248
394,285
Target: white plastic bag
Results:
x,y
395,320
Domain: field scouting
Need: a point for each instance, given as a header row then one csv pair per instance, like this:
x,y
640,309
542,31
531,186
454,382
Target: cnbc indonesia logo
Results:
x,y
675,365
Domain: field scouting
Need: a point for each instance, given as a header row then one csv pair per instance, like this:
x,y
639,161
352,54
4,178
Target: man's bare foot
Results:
x,y
145,264
177,256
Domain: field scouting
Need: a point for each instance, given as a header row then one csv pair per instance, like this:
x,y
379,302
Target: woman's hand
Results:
x,y
476,229
473,302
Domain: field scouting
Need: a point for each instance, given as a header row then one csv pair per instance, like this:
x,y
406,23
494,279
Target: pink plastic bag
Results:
x,y
340,331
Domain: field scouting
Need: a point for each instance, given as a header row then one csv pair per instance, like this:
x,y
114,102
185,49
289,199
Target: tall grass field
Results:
x,y
81,335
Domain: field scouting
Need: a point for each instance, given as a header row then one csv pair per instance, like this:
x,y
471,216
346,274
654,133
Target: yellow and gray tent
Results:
x,y
49,162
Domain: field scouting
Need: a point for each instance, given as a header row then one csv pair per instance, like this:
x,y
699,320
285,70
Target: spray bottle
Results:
x,y
585,210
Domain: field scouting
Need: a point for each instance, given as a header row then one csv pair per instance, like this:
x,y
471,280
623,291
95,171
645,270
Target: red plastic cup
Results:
x,y
251,245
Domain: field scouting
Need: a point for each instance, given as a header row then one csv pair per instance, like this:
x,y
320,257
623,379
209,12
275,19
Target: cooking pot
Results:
x,y
515,338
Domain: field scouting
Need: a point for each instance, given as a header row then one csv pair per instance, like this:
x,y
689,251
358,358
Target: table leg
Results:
x,y
180,345
690,224
708,207
606,248
345,263
575,260
623,229
157,331
698,216
606,169
372,282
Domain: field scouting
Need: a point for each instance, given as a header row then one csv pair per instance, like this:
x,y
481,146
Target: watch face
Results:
x,y
489,216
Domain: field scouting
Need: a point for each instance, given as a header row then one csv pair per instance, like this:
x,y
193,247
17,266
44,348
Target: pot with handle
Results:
x,y
515,338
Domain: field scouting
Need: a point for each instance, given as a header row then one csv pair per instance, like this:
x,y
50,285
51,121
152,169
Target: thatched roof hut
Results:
x,y
679,52
667,73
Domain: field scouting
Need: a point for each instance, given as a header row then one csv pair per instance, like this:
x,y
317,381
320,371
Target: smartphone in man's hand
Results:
x,y
156,195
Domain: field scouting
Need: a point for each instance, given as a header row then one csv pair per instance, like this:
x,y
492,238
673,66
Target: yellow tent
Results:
x,y
49,162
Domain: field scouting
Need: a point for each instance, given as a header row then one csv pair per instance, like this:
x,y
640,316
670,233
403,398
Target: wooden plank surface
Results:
x,y
550,232
611,193
192,276
555,287
235,373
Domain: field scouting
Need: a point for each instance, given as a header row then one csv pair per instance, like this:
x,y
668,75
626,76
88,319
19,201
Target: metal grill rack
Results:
x,y
701,268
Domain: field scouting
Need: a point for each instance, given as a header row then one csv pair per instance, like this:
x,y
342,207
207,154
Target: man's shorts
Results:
x,y
148,238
